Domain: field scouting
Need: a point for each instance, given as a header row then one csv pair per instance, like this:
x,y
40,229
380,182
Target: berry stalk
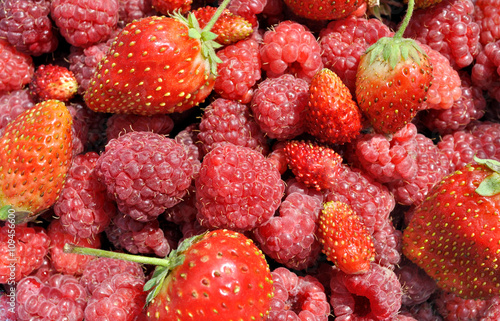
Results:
x,y
406,20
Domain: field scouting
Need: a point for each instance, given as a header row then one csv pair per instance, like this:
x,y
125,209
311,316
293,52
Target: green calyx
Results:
x,y
163,266
490,186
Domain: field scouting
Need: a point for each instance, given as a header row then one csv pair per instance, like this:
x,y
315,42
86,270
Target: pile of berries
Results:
x,y
271,160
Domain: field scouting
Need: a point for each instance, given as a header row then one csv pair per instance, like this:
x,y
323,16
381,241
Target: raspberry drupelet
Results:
x,y
16,69
119,124
12,104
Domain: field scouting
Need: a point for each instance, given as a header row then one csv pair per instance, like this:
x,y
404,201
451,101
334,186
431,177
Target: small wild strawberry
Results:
x,y
324,10
53,82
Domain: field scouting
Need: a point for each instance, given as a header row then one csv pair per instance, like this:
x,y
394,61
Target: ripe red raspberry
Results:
x,y
449,28
60,297
290,238
12,104
454,308
297,297
30,246
100,269
290,48
485,73
388,243
374,295
239,70
7,310
68,263
45,271
227,121
145,173
85,23
487,15
237,188
343,42
417,285
278,156
279,106
248,9
120,296
83,206
423,312
188,138
16,69
119,124
27,26
130,10
185,211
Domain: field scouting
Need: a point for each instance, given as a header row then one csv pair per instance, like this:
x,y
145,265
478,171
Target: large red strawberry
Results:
x,y
156,65
454,235
36,152
219,275
392,80
324,10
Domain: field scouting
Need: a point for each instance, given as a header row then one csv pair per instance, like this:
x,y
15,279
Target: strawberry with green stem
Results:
x,y
392,80
157,65
219,275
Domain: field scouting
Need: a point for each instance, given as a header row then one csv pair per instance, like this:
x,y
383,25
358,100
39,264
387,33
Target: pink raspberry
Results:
x,y
145,173
248,9
185,211
228,121
297,297
487,15
130,10
239,70
237,188
343,42
6,311
485,73
290,48
45,271
60,297
279,106
278,156
119,124
12,104
31,245
423,312
16,69
388,243
290,237
374,295
83,206
81,124
188,137
417,285
27,26
454,308
85,23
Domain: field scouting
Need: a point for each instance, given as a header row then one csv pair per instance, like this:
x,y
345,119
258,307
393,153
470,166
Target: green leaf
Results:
x,y
492,164
490,185
194,34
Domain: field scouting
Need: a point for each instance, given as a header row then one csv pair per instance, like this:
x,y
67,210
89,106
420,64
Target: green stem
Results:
x,y
71,248
406,20
216,15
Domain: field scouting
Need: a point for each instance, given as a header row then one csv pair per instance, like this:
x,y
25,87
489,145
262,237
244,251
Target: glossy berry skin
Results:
x,y
16,69
53,82
152,67
37,152
323,10
453,235
224,277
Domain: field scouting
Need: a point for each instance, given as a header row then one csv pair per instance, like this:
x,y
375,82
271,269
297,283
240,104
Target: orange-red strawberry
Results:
x,y
454,235
53,82
345,239
167,7
312,164
332,115
36,152
155,65
229,28
324,10
219,275
392,80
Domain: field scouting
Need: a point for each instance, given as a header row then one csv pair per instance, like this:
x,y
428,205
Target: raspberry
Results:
x,y
138,237
237,188
145,173
239,70
343,42
7,312
185,211
370,200
374,295
487,15
45,271
118,297
83,206
81,123
485,73
297,297
130,10
119,124
229,121
449,28
100,269
16,68
188,138
470,106
248,9
12,104
85,23
294,186
279,106
454,308
68,263
388,245
432,165
278,156
493,312
417,285
31,245
290,48
290,237
27,26
61,297
423,312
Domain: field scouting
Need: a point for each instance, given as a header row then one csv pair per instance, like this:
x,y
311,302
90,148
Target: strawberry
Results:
x,y
167,7
53,82
332,115
454,234
218,275
345,239
229,28
156,65
392,80
324,10
312,164
36,156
